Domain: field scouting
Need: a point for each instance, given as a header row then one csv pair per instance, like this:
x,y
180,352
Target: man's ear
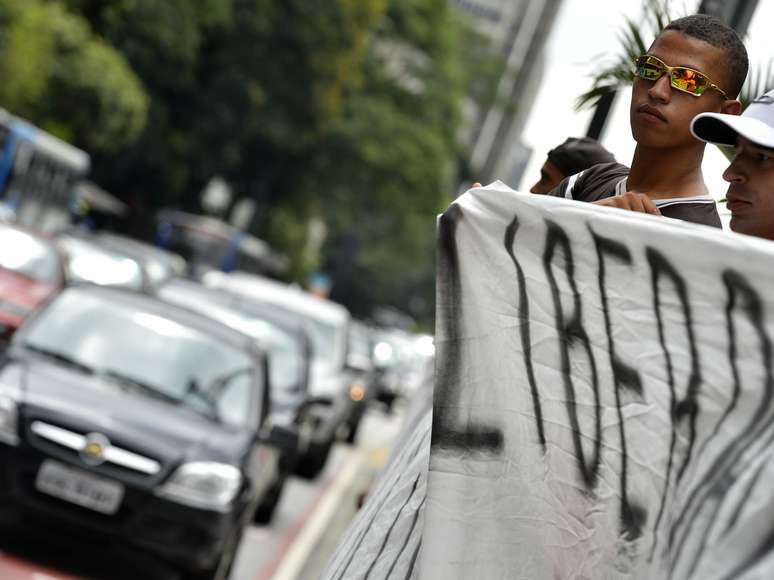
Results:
x,y
731,107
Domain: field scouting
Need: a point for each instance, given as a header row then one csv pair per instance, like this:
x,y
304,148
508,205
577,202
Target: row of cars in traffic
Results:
x,y
165,411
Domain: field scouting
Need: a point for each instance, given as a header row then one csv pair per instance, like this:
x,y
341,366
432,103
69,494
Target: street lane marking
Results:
x,y
378,457
267,572
298,554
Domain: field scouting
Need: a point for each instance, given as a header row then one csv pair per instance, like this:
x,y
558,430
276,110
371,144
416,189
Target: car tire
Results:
x,y
352,428
266,509
388,400
311,463
221,568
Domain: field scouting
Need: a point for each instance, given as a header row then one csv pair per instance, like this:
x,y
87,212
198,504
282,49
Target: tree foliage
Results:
x,y
71,82
342,112
398,140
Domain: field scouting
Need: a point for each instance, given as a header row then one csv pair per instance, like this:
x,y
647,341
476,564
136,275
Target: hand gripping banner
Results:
x,y
603,396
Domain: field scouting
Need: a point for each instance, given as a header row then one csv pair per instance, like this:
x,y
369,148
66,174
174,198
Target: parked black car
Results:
x,y
288,346
128,416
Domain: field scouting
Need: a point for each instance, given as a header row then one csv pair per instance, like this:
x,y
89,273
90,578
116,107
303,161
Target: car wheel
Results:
x,y
306,428
312,462
388,400
268,506
352,428
221,569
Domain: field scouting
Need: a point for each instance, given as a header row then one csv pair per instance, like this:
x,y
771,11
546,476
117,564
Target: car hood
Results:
x,y
84,403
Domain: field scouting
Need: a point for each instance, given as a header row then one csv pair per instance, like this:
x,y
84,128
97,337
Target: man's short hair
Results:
x,y
577,154
714,31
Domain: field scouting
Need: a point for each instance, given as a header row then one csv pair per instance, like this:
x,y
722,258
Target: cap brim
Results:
x,y
723,129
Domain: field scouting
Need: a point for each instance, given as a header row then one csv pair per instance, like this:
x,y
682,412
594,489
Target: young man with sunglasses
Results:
x,y
697,64
751,174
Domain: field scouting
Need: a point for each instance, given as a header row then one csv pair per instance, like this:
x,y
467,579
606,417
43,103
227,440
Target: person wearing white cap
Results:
x,y
751,173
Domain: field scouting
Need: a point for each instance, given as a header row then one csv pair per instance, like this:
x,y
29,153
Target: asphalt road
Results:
x,y
310,518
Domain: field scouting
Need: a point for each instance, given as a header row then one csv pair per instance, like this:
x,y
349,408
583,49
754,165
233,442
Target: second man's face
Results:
x,y
661,115
550,177
751,190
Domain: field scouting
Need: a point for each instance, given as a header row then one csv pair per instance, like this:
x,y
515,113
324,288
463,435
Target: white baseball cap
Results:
x,y
756,124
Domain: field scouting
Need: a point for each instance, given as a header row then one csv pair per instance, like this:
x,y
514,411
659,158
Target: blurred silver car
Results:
x,y
339,394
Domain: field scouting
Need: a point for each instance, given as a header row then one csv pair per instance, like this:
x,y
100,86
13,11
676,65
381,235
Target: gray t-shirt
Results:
x,y
609,179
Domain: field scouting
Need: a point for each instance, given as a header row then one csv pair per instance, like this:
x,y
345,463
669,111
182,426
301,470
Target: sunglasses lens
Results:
x,y
689,81
649,68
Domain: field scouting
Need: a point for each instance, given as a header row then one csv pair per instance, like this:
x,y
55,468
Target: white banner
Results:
x,y
603,396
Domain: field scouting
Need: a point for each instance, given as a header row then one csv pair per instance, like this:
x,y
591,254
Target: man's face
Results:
x,y
550,177
751,193
660,115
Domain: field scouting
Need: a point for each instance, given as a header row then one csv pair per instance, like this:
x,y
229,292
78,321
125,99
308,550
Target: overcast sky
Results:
x,y
584,30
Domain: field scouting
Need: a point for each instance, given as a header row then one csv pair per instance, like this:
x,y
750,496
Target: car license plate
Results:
x,y
80,488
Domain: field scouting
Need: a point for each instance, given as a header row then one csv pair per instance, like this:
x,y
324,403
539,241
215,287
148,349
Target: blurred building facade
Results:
x,y
518,30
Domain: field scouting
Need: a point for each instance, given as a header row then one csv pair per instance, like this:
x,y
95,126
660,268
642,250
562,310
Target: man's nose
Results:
x,y
661,89
735,173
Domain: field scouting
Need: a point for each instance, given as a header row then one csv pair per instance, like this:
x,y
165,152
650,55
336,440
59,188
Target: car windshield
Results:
x,y
286,355
359,342
22,253
143,351
324,341
158,267
88,262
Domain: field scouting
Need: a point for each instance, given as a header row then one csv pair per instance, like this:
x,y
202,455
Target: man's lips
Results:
x,y
736,205
651,112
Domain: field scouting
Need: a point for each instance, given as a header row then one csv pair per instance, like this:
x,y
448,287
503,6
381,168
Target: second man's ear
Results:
x,y
731,107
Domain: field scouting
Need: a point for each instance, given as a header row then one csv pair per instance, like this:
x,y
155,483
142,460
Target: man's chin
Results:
x,y
653,136
748,227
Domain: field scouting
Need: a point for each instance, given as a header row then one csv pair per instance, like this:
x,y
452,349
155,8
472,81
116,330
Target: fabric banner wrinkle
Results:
x,y
621,368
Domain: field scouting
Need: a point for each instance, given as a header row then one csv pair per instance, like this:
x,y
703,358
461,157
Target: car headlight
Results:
x,y
205,485
9,421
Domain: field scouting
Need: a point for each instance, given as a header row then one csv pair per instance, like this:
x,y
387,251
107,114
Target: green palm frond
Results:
x,y
634,38
760,80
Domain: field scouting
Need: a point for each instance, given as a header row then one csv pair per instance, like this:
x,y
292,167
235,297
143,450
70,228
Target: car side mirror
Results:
x,y
281,437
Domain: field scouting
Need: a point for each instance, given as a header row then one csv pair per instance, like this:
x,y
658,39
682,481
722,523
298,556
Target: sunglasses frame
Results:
x,y
666,69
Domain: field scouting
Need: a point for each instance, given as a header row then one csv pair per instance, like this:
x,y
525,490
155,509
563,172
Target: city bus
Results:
x,y
38,173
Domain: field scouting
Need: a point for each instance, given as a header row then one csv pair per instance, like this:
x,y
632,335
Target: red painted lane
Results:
x,y
12,568
287,540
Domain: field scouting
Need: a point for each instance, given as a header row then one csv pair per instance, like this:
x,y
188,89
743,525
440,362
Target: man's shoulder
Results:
x,y
699,210
596,182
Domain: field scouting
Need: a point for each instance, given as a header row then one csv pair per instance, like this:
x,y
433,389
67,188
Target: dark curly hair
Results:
x,y
714,31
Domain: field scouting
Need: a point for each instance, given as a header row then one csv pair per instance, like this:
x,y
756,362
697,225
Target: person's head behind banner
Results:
x,y
696,64
751,173
569,158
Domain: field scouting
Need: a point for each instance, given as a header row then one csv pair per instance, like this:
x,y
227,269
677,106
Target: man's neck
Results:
x,y
667,173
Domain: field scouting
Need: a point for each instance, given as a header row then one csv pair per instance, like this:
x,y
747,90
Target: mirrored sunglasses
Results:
x,y
681,78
